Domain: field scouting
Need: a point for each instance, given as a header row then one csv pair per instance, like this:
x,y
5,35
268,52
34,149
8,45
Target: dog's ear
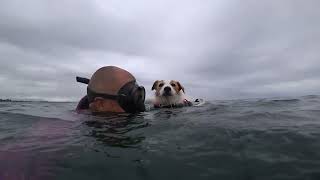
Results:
x,y
180,87
155,85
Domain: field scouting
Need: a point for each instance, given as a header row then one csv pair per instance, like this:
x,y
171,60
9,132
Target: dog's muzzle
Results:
x,y
167,91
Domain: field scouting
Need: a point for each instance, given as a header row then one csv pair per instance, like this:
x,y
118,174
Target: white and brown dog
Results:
x,y
169,93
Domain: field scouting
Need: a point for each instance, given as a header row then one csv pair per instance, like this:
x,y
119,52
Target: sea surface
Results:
x,y
263,139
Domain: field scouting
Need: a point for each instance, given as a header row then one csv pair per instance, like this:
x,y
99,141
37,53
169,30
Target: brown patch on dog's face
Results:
x,y
177,86
157,85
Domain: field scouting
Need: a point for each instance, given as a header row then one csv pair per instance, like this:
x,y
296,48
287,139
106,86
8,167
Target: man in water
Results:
x,y
112,89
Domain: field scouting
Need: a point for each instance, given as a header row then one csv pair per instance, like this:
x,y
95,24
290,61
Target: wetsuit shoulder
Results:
x,y
83,104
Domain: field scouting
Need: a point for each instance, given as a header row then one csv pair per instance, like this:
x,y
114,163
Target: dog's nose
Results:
x,y
167,89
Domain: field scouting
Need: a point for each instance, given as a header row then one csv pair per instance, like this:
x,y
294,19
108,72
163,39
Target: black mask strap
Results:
x,y
92,95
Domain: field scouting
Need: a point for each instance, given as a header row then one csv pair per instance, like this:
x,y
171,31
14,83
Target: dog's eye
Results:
x,y
160,85
173,85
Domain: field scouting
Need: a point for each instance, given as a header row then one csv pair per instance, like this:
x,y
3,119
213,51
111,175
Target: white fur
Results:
x,y
174,99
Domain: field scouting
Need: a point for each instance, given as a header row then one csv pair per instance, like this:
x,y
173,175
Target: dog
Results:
x,y
169,93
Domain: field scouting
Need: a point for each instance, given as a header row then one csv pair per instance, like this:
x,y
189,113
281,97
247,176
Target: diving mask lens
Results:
x,y
134,99
139,95
130,97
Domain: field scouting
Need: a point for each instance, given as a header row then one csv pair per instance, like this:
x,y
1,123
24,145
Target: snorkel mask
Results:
x,y
130,97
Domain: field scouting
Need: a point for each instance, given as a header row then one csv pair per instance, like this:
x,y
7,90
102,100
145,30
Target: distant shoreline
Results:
x,y
5,100
13,100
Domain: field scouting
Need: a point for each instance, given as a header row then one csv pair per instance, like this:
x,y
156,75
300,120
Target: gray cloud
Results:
x,y
217,49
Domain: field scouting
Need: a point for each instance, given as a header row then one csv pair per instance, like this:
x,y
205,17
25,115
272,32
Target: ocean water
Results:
x,y
266,139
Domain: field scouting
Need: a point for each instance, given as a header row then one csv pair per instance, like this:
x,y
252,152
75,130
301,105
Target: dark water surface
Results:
x,y
238,139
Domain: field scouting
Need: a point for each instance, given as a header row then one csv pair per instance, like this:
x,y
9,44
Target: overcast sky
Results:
x,y
218,49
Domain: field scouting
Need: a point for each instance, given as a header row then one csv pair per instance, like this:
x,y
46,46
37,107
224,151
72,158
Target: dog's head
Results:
x,y
167,88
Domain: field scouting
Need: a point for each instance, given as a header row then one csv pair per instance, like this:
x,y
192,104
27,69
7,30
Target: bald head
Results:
x,y
109,80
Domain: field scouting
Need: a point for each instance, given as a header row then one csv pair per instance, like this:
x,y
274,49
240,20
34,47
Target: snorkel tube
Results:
x,y
82,80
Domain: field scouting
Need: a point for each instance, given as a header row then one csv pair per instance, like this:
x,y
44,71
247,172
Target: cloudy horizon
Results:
x,y
217,49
